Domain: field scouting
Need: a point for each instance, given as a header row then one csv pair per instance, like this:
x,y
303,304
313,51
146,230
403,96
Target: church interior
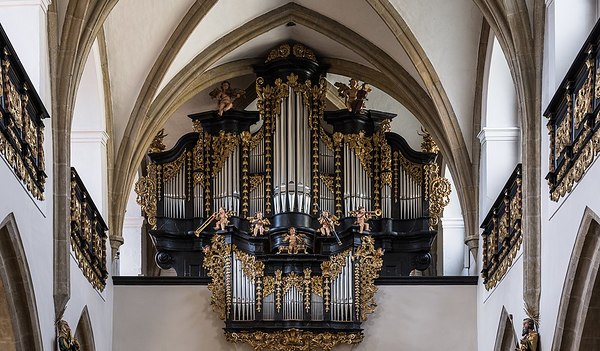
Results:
x,y
302,175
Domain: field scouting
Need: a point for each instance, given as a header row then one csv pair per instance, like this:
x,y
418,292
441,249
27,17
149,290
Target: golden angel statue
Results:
x,y
225,96
354,95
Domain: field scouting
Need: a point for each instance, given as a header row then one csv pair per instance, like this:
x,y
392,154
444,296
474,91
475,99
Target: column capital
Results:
x,y
499,134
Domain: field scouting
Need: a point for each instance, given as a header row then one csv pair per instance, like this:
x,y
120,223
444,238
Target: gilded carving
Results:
x,y
87,236
328,182
428,144
22,140
217,262
255,181
146,190
354,94
505,228
439,197
298,50
583,99
157,144
223,146
370,262
293,339
363,148
172,168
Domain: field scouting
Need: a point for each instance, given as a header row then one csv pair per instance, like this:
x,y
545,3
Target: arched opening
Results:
x,y
84,333
19,325
506,339
578,322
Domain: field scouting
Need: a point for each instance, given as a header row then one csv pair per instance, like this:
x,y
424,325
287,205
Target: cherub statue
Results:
x,y
362,216
295,242
529,342
354,96
222,219
327,222
259,224
225,96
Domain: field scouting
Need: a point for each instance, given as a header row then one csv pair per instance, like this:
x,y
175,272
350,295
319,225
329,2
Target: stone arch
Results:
x,y
580,297
144,125
18,309
506,340
84,332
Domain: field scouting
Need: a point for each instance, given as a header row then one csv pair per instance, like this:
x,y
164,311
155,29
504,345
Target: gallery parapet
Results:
x,y
88,234
21,126
573,125
502,235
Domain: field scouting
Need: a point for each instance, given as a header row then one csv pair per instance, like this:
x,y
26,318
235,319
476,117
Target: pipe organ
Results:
x,y
299,163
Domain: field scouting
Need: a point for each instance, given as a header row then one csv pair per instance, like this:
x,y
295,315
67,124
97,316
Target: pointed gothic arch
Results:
x,y
84,332
506,340
581,292
17,299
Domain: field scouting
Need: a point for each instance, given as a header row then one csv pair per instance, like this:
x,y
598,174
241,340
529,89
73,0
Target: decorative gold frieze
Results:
x,y
583,96
285,50
502,231
22,134
88,234
293,339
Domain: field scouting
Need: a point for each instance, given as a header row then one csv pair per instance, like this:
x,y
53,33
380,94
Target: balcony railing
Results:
x,y
21,127
88,234
573,123
502,235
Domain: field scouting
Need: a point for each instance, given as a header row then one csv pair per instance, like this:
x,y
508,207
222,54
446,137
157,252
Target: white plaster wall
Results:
x,y
25,25
88,133
453,247
573,21
561,220
448,32
130,253
158,318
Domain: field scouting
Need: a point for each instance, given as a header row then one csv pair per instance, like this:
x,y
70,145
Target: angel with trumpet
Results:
x,y
362,217
259,224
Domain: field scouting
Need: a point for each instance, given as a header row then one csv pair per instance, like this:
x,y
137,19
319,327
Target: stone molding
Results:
x,y
12,3
499,134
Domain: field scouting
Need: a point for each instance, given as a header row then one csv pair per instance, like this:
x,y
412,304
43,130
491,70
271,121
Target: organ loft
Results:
x,y
293,212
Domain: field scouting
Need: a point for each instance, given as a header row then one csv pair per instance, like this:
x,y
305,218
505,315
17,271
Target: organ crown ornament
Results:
x,y
314,198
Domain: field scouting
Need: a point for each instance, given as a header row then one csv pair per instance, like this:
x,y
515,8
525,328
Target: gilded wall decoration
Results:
x,y
502,231
293,340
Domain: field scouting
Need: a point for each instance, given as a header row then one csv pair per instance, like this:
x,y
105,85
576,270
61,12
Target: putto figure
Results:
x,y
225,96
327,222
354,96
222,219
296,242
259,224
362,216
529,342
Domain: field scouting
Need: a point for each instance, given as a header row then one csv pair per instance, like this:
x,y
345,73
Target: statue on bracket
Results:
x,y
66,341
259,224
354,95
296,242
222,219
225,96
328,223
530,339
362,217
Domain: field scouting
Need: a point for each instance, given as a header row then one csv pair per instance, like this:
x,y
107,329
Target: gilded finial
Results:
x,y
157,143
